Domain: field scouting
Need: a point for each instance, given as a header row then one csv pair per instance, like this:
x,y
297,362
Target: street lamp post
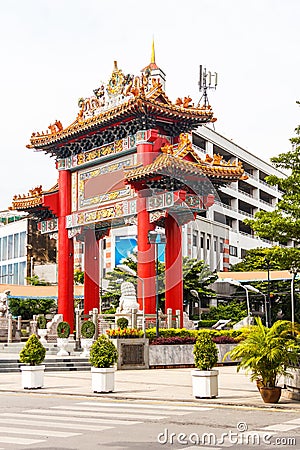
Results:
x,y
155,238
294,272
268,307
132,272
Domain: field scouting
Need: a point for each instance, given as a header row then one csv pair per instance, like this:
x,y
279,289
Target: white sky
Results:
x,y
55,51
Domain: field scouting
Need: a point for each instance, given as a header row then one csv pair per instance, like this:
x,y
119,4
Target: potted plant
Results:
x,y
63,333
204,378
42,329
267,353
87,332
103,356
122,322
32,354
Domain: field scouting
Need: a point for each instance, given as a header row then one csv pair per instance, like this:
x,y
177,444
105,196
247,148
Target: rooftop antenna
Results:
x,y
207,80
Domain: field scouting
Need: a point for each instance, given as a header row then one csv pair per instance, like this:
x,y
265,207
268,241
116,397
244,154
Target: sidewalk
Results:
x,y
235,389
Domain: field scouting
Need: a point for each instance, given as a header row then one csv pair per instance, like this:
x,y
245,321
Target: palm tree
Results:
x,y
268,352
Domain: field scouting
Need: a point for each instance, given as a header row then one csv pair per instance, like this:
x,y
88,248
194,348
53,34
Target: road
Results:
x,y
35,421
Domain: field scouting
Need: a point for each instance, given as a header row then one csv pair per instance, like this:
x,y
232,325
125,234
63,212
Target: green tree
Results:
x,y
283,224
277,258
36,281
78,276
30,306
196,275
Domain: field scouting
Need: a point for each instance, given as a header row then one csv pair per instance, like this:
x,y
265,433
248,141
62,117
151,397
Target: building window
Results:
x,y
23,243
208,243
215,245
4,275
232,250
202,240
16,273
10,247
222,246
10,273
16,245
243,253
195,238
22,268
4,248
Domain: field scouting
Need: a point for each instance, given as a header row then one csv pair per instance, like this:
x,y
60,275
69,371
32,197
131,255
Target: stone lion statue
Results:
x,y
4,303
128,298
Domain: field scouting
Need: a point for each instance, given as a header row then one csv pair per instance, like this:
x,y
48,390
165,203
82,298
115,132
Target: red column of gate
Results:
x,y
146,259
65,251
91,272
173,257
146,252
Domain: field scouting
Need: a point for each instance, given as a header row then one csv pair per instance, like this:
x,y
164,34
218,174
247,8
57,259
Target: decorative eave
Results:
x,y
169,164
146,104
33,202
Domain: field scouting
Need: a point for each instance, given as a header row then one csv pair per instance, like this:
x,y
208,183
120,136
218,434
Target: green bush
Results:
x,y
206,323
239,334
235,311
63,330
122,322
41,322
88,329
103,353
30,306
33,352
205,352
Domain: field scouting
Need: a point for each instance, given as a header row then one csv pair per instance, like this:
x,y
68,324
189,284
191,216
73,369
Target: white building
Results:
x,y
220,238
24,251
13,250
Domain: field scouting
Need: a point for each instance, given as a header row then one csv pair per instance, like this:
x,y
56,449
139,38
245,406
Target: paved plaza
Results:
x,y
154,384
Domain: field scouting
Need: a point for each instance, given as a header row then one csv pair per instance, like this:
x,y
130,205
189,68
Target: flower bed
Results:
x,y
124,333
173,340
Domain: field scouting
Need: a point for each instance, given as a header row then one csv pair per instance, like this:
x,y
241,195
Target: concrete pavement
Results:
x,y
235,389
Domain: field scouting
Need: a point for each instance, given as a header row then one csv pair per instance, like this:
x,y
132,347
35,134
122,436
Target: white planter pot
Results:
x,y
205,383
62,344
103,379
86,345
33,376
42,333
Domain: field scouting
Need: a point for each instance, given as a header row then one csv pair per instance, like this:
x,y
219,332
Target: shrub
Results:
x,y
88,329
205,352
206,323
103,353
224,340
122,322
233,310
41,322
63,330
33,352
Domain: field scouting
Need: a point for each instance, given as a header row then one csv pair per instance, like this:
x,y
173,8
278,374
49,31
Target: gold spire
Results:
x,y
153,52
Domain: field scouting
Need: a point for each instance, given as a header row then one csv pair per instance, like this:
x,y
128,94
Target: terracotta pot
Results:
x,y
270,394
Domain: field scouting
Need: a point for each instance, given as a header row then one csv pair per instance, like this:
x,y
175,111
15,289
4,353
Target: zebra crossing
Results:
x,y
35,426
